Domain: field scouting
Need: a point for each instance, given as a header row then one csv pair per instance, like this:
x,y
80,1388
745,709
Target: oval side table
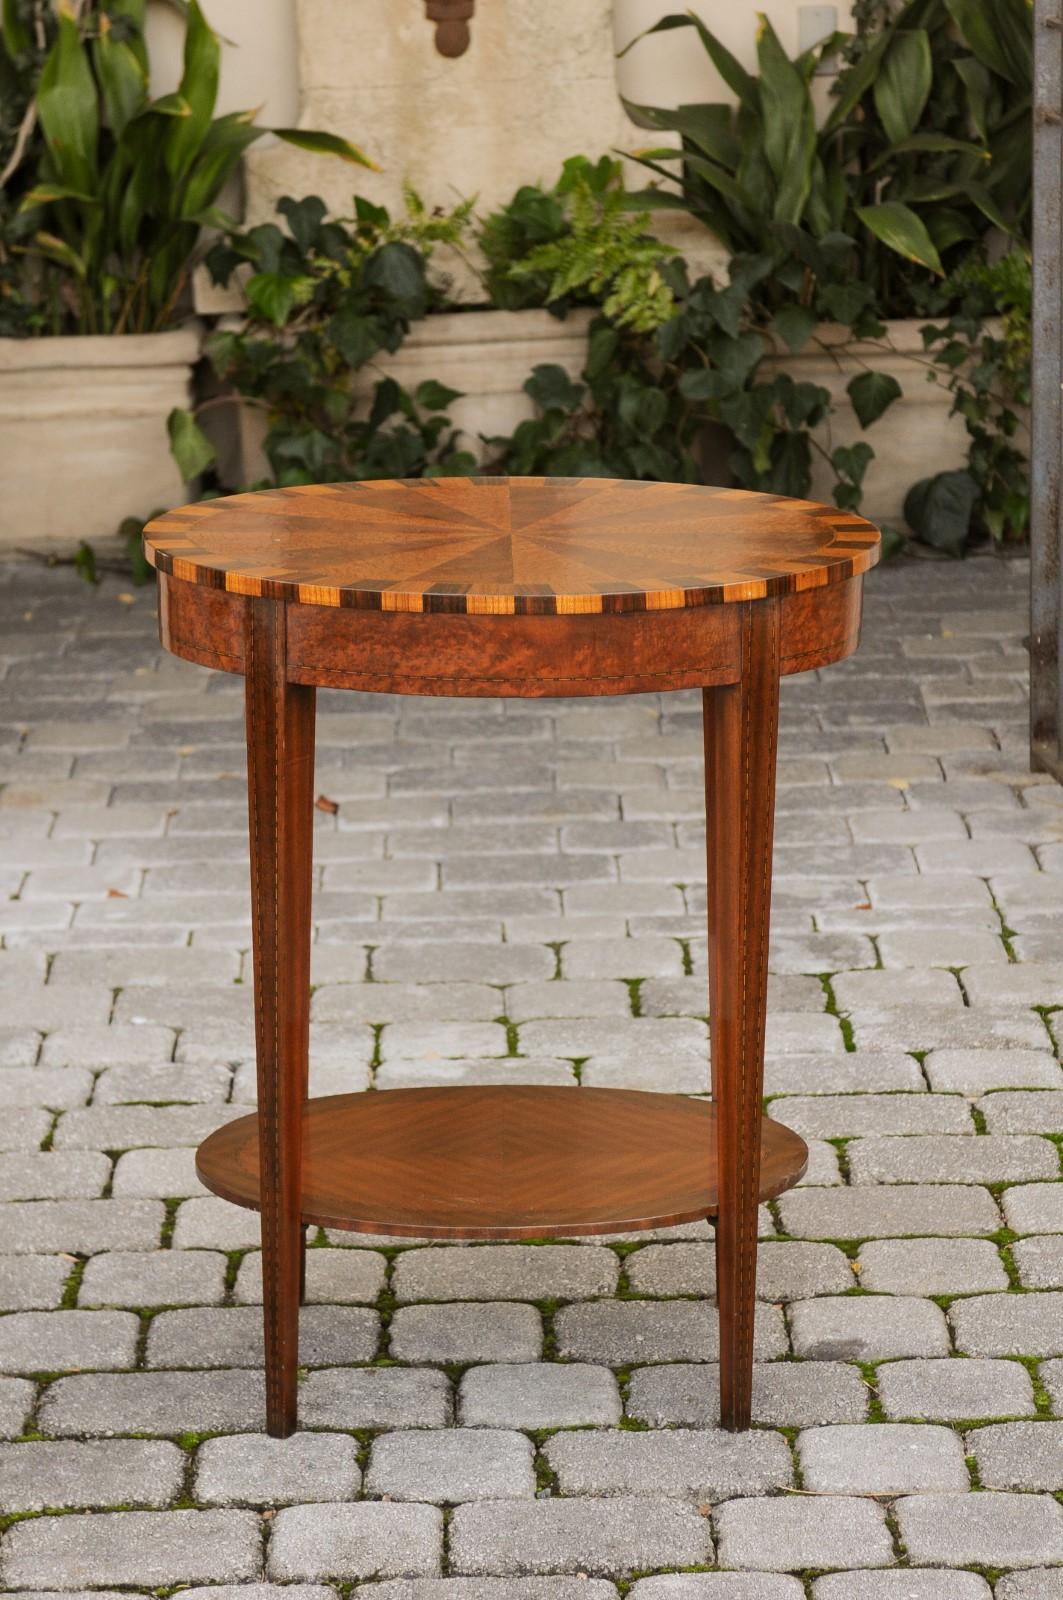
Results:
x,y
524,587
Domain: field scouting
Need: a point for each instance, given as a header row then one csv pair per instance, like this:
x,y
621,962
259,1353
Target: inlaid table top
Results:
x,y
532,546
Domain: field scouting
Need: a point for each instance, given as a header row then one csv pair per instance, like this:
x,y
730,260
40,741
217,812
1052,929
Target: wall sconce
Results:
x,y
452,18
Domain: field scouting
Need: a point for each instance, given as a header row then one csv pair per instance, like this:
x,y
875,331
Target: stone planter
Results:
x,y
485,355
915,438
83,438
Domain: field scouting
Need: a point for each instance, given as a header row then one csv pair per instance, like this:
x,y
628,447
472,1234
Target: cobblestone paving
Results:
x,y
516,892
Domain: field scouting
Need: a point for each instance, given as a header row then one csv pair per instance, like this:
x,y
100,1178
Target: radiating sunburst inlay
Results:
x,y
511,545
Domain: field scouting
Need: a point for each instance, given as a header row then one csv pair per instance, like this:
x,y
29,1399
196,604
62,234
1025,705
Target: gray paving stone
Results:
x,y
955,1210
975,1071
24,1128
104,1404
789,1534
196,1084
610,1537
930,1028
250,1469
718,1586
1040,1261
786,1394
1034,1208
881,1459
1019,1455
434,1074
122,1127
702,1464
213,1224
457,962
1009,1325
141,1472
46,1341
991,1530
951,1390
32,1283
1052,1378
231,1336
464,1331
931,1266
157,1278
1028,983
55,1088
450,1466
859,1072
785,1271
867,1328
375,1397
506,1272
1023,1111
1038,1584
539,1395
841,1116
355,1541
254,1591
45,1175
988,1158
906,1585
615,1333
161,1174
16,1397
106,1045
526,1002
347,1277
144,1547
886,989
580,1588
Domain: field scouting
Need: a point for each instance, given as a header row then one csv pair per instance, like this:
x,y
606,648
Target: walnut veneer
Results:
x,y
526,587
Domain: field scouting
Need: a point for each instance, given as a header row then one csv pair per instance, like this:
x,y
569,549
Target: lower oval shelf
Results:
x,y
500,1161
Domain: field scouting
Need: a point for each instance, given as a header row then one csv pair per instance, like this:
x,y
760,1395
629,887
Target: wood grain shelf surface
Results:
x,y
500,1161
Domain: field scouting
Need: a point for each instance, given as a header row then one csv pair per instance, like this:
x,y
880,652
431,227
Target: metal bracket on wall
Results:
x,y
452,18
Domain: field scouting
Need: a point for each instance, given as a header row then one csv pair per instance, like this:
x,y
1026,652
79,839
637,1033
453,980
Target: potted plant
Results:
x,y
865,216
114,191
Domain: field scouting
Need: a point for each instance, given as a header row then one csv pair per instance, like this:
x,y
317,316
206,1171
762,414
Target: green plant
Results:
x,y
324,299
988,372
579,243
125,184
923,151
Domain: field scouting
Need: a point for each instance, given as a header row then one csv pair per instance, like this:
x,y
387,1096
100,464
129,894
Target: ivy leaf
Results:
x,y
852,461
271,295
871,393
793,324
355,337
433,396
304,218
939,509
85,562
398,269
552,389
707,383
189,445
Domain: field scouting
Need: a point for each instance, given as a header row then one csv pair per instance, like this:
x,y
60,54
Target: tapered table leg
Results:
x,y
741,736
280,769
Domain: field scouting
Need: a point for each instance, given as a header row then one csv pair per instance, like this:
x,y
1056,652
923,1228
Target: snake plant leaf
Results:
x,y
326,144
189,445
978,83
710,127
122,77
1000,32
199,88
931,143
898,226
902,85
57,249
789,124
43,194
734,75
66,103
168,105
13,30
856,84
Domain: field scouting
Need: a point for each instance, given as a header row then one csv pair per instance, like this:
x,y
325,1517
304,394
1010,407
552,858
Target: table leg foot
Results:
x,y
741,734
280,761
